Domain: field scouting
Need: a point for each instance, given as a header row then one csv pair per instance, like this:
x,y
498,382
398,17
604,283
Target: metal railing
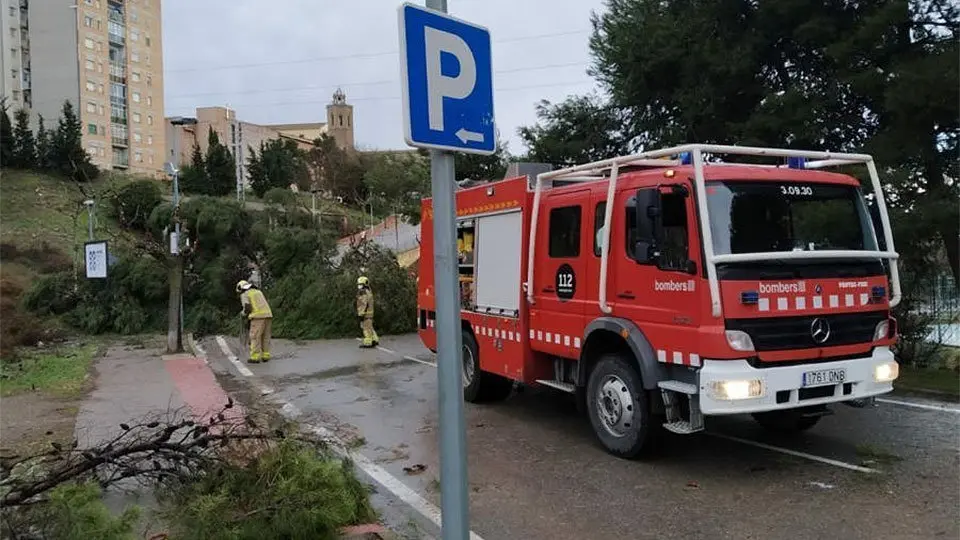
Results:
x,y
118,71
609,169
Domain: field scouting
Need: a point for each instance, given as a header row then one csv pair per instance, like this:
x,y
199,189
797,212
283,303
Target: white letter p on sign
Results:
x,y
439,85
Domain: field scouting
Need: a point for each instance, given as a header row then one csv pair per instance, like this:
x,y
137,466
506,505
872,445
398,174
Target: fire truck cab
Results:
x,y
667,286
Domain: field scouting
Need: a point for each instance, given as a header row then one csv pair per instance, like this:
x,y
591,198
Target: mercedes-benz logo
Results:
x,y
820,330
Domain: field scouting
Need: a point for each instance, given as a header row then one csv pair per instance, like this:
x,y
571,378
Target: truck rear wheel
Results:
x,y
619,408
480,386
785,422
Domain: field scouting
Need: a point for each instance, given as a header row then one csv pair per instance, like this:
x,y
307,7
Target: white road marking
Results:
x,y
386,350
424,362
927,406
804,455
197,348
233,358
371,469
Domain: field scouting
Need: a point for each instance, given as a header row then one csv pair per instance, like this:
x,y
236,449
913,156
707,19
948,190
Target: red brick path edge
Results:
x,y
202,393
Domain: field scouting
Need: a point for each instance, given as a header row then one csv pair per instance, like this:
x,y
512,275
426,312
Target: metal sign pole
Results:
x,y
453,438
447,111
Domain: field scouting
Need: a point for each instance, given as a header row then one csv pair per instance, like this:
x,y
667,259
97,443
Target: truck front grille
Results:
x,y
783,333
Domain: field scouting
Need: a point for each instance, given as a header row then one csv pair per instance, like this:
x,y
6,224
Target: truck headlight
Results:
x,y
882,330
734,390
739,340
886,372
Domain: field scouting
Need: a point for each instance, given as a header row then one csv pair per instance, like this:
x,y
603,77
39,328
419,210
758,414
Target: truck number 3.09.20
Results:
x,y
805,191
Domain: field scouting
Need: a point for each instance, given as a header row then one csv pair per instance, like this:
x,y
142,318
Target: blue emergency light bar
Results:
x,y
796,162
686,158
749,297
878,292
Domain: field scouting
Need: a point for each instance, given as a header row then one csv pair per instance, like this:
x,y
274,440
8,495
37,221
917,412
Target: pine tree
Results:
x,y
6,136
220,168
43,144
193,177
24,147
67,154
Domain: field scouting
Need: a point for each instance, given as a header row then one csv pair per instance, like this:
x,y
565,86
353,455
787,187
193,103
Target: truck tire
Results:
x,y
619,408
785,422
479,386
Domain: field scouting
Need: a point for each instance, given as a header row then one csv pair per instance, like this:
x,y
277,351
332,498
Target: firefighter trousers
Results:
x,y
260,340
370,337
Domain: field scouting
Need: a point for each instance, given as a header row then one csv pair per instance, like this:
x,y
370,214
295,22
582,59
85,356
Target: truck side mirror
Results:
x,y
648,225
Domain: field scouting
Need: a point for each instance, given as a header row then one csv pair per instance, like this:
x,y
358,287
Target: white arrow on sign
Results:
x,y
465,136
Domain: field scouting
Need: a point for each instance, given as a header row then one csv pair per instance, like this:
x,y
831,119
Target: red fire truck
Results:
x,y
675,284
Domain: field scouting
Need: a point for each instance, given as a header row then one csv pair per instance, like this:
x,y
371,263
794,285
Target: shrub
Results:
x,y
134,202
73,512
292,491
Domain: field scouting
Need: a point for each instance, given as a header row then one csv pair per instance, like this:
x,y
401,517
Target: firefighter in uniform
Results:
x,y
365,313
257,310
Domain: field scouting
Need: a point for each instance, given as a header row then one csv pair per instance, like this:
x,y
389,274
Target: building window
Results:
x,y
91,86
13,32
103,130
88,2
87,21
137,137
134,35
565,232
88,43
134,56
136,97
136,117
149,139
13,11
91,129
341,120
147,40
149,120
149,80
99,27
92,150
100,87
91,107
100,107
150,159
90,64
135,75
102,153
149,100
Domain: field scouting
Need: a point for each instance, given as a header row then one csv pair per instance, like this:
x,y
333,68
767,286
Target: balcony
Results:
x,y
116,38
119,135
118,73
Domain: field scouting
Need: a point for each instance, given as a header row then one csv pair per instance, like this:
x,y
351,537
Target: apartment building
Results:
x,y
239,136
105,57
15,54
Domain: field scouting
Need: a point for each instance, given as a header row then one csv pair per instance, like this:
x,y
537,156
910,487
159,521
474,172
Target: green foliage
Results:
x,y
220,168
43,145
279,163
59,372
577,130
281,197
6,135
193,177
52,295
292,491
24,147
398,182
134,202
66,148
76,512
338,171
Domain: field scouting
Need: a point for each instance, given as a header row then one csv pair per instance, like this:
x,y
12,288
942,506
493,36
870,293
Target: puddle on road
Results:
x,y
363,368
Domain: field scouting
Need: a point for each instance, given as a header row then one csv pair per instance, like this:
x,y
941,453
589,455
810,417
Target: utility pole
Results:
x,y
90,204
175,302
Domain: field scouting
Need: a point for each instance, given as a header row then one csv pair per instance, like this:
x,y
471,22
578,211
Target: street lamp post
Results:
x,y
175,305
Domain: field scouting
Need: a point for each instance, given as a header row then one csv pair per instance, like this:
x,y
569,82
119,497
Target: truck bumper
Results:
x,y
783,388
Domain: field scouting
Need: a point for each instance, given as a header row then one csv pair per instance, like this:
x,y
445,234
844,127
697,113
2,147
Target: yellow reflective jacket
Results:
x,y
365,303
259,308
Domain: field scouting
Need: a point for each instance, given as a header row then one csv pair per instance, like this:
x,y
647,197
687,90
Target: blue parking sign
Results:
x,y
447,79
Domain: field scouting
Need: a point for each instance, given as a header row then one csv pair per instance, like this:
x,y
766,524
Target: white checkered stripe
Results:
x,y
811,303
555,338
497,333
678,358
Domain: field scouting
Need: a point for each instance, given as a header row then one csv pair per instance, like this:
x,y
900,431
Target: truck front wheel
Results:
x,y
619,408
479,386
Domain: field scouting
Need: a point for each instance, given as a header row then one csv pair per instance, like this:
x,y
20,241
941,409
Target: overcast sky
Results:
x,y
280,61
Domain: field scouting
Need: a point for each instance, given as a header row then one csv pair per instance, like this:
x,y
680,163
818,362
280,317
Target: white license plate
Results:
x,y
824,377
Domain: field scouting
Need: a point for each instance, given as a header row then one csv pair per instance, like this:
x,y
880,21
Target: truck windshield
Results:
x,y
755,217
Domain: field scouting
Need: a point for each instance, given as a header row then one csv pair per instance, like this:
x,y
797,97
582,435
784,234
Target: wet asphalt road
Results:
x,y
537,472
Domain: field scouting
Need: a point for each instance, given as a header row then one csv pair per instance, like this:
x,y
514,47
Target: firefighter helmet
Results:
x,y
243,285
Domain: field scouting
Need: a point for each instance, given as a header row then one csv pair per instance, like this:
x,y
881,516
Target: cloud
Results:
x,y
279,62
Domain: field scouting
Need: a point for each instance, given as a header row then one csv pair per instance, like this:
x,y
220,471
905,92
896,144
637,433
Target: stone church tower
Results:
x,y
340,120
